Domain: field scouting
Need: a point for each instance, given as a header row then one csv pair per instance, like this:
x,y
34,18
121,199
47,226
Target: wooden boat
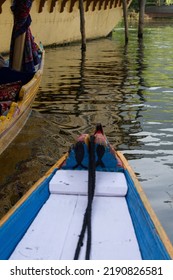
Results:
x,y
58,22
17,111
20,78
92,188
162,11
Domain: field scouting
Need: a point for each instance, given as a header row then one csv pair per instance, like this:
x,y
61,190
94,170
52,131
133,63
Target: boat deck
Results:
x,y
55,231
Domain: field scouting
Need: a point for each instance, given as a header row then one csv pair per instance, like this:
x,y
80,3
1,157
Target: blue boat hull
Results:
x,y
152,240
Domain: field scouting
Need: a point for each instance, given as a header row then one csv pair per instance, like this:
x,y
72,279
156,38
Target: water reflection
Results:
x,y
97,87
126,88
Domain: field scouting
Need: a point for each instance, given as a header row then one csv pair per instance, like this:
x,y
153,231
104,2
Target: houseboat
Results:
x,y
58,21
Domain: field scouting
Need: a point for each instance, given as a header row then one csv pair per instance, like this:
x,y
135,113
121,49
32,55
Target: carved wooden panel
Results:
x,y
72,5
88,3
52,6
1,3
106,4
116,3
100,4
111,4
41,6
63,3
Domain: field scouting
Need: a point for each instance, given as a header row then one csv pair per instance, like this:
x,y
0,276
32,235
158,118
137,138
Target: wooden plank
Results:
x,y
59,224
52,224
113,237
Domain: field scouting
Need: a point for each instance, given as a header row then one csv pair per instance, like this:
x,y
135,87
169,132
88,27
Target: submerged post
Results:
x,y
124,2
141,17
82,24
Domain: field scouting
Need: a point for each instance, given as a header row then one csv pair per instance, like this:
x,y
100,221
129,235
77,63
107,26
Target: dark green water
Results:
x,y
128,89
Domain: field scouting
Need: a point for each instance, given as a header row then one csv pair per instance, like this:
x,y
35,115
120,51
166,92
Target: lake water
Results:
x,y
129,89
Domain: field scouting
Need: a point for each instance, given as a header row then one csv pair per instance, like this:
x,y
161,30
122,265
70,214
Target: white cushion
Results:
x,y
76,182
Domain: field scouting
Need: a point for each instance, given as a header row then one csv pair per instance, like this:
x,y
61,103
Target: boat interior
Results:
x,y
8,75
60,219
11,82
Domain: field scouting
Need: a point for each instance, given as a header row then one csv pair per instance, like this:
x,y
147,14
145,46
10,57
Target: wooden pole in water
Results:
x,y
124,2
141,17
82,24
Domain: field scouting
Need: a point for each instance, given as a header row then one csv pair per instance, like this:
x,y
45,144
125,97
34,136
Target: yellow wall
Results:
x,y
6,20
59,28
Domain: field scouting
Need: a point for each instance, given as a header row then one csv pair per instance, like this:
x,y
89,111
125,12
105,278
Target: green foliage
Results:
x,y
169,2
135,3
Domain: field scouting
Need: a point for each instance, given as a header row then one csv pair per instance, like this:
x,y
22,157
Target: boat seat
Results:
x,y
55,231
108,183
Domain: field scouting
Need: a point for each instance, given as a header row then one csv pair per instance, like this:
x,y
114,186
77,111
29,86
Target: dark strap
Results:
x,y
79,155
88,211
91,190
100,150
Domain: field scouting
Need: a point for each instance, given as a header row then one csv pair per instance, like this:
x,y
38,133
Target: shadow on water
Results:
x,y
126,88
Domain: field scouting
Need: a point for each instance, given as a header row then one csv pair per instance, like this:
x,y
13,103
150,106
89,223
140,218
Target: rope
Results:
x,y
88,211
91,189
